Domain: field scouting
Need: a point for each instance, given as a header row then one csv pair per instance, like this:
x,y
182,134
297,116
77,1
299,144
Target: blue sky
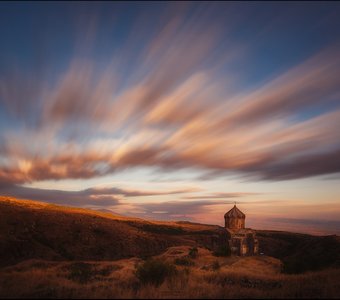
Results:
x,y
193,105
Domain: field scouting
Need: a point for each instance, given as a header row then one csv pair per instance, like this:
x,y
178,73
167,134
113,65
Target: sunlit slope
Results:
x,y
31,229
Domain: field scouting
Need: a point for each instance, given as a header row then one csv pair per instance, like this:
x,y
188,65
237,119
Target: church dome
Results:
x,y
234,213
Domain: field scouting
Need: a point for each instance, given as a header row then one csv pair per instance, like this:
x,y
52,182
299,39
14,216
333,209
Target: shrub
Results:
x,y
106,271
216,265
184,261
193,252
80,272
144,256
154,271
162,229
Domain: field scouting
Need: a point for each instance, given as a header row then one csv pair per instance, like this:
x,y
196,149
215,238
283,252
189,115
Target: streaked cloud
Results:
x,y
83,198
174,112
221,195
177,210
97,196
310,226
171,89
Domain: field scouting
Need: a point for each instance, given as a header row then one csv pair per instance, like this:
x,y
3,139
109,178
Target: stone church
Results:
x,y
242,241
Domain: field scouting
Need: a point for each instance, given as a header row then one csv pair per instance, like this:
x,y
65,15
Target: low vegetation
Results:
x,y
184,261
85,272
154,271
216,265
193,252
210,277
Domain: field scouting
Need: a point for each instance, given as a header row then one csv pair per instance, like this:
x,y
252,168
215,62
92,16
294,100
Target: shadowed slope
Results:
x,y
301,252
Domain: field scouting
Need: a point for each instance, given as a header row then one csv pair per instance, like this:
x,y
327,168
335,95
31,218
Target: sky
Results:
x,y
174,110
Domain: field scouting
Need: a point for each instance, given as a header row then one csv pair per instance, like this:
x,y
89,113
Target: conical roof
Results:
x,y
234,213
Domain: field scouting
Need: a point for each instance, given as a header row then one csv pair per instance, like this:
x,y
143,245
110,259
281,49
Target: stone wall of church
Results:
x,y
243,242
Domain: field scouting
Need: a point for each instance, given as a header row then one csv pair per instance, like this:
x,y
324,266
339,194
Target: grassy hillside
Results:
x,y
49,251
36,230
206,276
301,252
